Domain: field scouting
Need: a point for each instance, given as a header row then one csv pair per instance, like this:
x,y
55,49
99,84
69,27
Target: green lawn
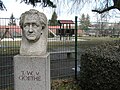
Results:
x,y
94,41
10,47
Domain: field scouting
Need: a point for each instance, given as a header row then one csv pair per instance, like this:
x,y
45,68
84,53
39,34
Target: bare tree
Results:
x,y
76,4
44,3
2,6
116,5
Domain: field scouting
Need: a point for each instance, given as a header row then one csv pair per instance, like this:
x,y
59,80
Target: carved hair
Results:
x,y
42,17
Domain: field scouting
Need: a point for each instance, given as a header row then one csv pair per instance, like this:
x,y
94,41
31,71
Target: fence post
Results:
x,y
76,47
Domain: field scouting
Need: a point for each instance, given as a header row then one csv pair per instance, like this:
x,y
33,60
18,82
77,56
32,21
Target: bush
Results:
x,y
64,84
100,67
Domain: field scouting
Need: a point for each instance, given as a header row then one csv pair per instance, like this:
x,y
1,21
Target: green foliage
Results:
x,y
53,21
100,67
84,22
65,84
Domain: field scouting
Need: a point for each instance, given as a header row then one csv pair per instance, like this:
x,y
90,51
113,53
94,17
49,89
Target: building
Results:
x,y
66,28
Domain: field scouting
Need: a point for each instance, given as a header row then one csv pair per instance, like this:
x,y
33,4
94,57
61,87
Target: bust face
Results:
x,y
32,28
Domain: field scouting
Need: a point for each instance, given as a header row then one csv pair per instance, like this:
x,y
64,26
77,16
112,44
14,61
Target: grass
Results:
x,y
94,41
10,43
10,47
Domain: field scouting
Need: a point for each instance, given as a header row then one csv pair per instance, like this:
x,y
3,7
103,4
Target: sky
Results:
x,y
17,8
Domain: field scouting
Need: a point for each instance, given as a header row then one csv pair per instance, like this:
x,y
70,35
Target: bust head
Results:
x,y
34,33
32,23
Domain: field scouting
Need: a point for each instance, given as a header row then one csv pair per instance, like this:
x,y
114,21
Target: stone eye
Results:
x,y
35,25
25,25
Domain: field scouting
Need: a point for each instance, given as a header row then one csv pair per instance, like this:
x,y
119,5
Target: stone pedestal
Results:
x,y
32,72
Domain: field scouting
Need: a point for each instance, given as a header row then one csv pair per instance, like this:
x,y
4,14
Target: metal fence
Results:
x,y
61,49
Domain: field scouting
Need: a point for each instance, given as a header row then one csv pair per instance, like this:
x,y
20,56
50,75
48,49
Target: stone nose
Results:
x,y
30,29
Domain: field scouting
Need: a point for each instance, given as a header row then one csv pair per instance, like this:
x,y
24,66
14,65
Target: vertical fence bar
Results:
x,y
76,47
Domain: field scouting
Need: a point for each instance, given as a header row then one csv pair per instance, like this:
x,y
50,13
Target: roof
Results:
x,y
65,21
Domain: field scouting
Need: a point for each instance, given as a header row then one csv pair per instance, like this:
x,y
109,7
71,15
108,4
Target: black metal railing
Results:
x,y
61,49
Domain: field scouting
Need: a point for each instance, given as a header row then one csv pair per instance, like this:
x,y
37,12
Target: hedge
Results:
x,y
100,67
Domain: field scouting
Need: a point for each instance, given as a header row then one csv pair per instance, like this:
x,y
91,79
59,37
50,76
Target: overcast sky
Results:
x,y
17,8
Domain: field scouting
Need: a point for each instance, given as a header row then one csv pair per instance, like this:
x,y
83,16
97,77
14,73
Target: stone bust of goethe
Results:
x,y
34,33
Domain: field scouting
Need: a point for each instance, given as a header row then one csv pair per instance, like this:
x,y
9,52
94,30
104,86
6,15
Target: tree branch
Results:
x,y
44,3
104,10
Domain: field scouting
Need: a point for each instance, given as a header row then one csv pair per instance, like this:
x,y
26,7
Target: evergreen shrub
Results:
x,y
100,67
